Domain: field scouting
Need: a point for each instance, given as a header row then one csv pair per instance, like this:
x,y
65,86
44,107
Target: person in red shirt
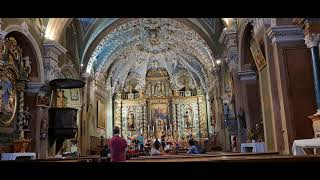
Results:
x,y
118,146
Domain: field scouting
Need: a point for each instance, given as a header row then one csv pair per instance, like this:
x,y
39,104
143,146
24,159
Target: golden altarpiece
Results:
x,y
158,110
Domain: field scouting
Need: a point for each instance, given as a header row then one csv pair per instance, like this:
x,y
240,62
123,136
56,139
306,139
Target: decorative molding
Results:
x,y
51,45
283,34
247,75
34,87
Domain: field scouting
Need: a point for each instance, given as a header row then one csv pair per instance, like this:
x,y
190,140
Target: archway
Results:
x,y
251,108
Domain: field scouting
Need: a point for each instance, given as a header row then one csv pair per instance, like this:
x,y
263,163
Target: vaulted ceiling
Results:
x,y
113,48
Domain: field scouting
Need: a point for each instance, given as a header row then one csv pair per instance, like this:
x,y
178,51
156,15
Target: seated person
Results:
x,y
193,148
155,150
105,151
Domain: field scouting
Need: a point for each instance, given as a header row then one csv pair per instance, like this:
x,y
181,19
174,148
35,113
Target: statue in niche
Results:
x,y
158,89
131,121
25,66
187,119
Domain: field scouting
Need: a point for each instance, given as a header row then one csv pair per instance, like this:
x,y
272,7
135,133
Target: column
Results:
x,y
21,85
312,42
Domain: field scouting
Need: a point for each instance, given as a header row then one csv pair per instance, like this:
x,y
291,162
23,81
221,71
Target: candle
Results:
x,y
152,128
148,127
166,128
141,130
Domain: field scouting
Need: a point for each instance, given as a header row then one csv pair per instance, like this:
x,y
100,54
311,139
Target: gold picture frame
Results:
x,y
257,54
101,114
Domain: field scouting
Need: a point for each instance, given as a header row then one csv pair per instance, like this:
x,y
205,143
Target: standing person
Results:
x,y
141,142
163,140
118,146
157,142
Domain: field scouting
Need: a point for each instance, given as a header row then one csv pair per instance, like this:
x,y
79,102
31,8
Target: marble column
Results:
x,y
312,42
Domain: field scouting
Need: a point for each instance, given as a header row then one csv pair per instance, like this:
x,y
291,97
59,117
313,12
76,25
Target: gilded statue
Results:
x,y
131,121
158,89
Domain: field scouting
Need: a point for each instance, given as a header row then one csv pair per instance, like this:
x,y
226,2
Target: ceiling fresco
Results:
x,y
131,46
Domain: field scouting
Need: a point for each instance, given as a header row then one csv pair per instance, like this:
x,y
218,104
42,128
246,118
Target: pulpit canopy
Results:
x,y
66,83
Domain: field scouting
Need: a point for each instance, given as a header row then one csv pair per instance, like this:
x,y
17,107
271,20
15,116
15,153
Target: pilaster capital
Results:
x,y
280,34
228,36
312,40
53,49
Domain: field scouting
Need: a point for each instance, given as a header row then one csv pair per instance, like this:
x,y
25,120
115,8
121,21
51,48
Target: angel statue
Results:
x,y
26,66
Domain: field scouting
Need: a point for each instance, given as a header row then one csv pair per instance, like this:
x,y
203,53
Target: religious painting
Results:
x,y
8,101
257,55
101,114
44,97
160,116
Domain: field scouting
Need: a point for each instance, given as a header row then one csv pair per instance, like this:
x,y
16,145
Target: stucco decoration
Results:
x,y
132,45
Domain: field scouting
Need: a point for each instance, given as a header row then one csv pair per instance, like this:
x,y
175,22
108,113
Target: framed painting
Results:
x,y
257,55
101,114
8,100
44,97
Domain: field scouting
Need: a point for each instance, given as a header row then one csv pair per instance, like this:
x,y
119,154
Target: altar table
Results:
x,y
298,145
13,156
257,147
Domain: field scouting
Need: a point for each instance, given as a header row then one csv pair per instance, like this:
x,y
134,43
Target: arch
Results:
x,y
35,47
242,37
55,28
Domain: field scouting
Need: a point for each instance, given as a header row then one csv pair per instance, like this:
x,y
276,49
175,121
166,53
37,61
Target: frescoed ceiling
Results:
x,y
129,46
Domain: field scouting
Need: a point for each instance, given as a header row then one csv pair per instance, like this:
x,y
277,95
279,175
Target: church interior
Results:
x,y
239,87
